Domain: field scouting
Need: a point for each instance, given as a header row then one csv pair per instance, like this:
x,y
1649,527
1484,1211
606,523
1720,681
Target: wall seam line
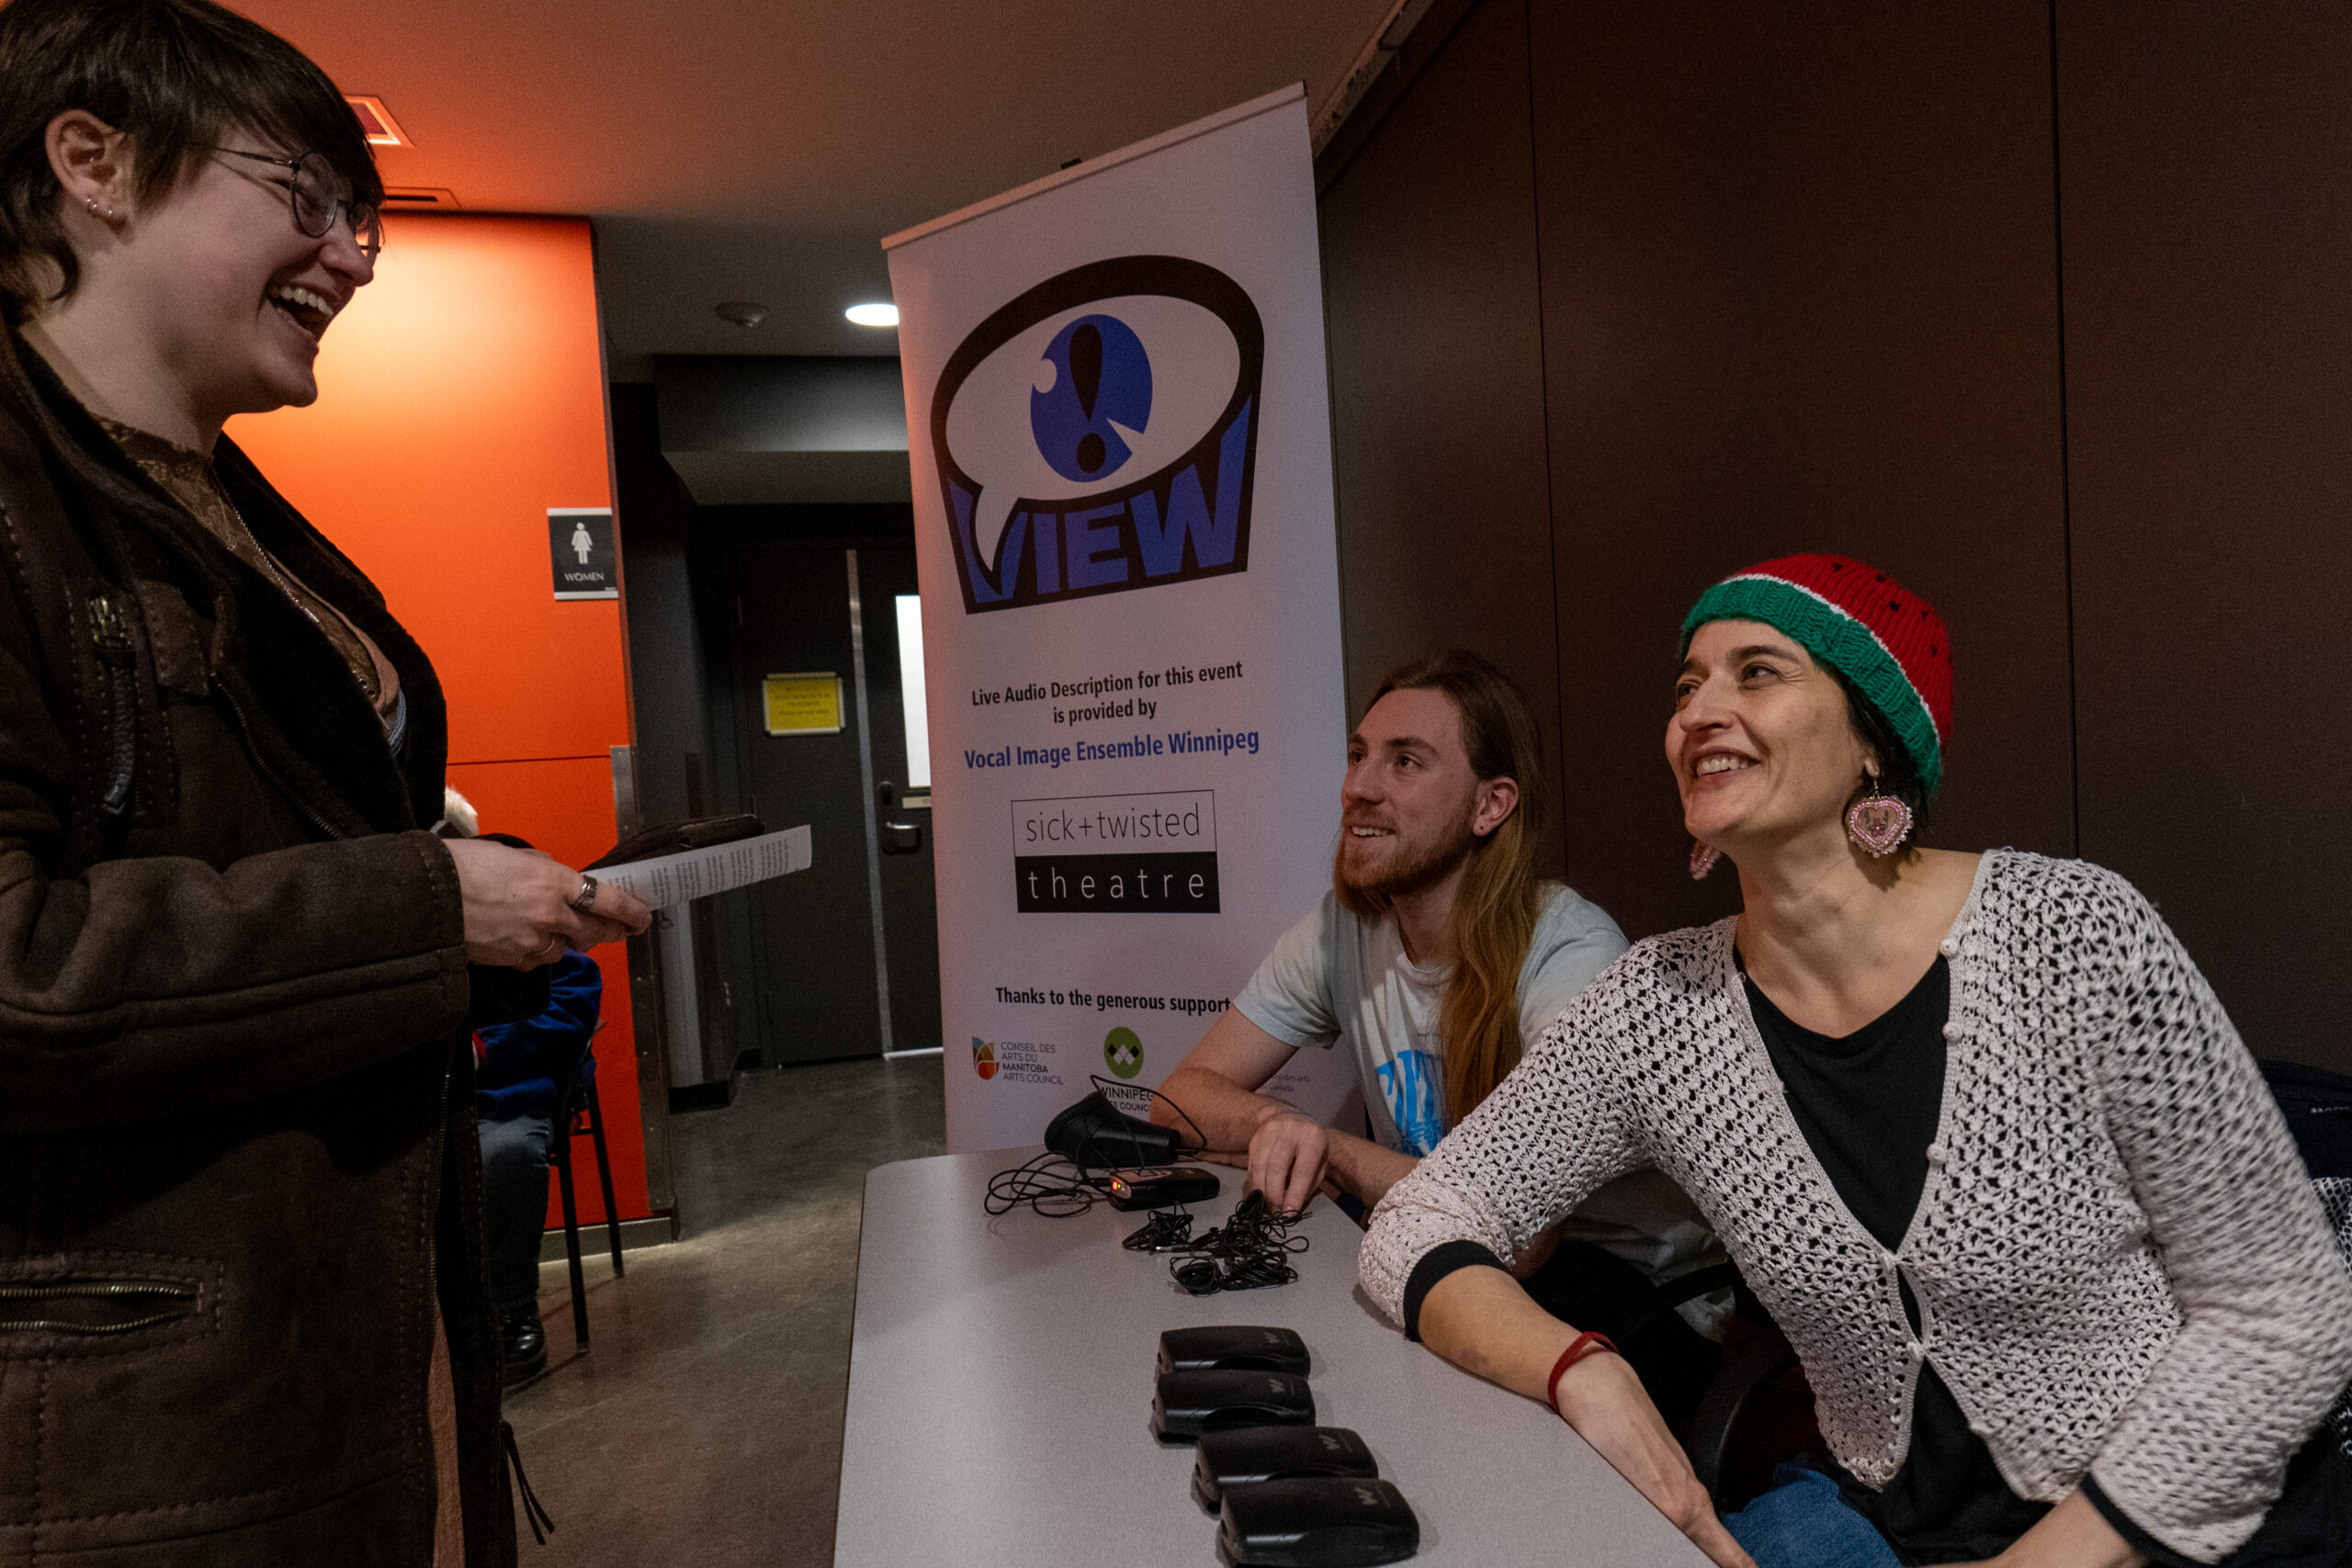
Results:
x,y
1544,404
2065,449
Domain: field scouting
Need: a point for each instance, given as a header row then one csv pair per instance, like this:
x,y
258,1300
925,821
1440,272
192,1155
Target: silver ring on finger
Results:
x,y
585,899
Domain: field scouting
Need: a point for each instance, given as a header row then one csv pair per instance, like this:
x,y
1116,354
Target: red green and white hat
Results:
x,y
1884,639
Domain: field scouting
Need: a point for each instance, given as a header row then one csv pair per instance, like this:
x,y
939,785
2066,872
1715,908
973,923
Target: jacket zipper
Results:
x,y
115,654
94,1290
262,766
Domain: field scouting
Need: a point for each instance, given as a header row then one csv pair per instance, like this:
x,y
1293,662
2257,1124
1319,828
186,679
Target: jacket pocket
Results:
x,y
105,1304
94,1307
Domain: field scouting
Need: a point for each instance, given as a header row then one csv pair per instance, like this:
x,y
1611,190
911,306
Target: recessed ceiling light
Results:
x,y
873,315
376,121
741,312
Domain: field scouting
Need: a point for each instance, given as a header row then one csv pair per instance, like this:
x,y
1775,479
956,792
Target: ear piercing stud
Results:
x,y
92,203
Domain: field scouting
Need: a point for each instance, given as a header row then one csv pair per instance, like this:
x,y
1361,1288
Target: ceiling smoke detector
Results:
x,y
741,312
376,121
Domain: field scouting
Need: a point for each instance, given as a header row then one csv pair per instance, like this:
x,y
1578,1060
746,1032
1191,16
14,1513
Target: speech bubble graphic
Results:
x,y
1097,434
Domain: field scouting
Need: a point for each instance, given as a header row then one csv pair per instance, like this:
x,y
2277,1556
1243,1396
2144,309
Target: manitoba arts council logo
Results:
x,y
1099,434
983,1058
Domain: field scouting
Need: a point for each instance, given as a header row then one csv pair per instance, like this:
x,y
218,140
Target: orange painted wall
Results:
x,y
460,396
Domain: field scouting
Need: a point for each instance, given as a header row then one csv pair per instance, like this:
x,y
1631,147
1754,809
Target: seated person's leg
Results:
x,y
1802,1523
514,1207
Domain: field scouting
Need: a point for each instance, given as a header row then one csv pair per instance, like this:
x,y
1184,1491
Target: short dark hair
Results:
x,y
173,77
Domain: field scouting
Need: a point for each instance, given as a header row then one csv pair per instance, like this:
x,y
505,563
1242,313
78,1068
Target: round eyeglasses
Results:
x,y
318,203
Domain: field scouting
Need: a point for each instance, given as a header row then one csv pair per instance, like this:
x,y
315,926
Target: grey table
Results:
x,y
1000,1400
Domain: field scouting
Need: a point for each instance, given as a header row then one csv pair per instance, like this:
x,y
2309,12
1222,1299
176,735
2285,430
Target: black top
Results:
x,y
1868,1105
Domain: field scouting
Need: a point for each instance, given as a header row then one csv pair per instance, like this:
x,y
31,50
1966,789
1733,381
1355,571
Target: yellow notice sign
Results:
x,y
806,704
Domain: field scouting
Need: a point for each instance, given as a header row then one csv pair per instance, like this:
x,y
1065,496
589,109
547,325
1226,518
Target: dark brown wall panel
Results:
x,y
1799,294
1437,376
2207,239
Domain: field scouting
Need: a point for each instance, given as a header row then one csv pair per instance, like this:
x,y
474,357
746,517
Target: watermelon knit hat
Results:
x,y
1887,642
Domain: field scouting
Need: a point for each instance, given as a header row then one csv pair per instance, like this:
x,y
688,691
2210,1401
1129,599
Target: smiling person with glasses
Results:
x,y
243,1308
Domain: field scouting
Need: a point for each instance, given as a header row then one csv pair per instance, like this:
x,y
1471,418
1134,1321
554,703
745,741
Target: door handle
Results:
x,y
901,838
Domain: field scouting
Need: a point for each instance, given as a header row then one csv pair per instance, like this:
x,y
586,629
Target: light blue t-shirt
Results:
x,y
1333,977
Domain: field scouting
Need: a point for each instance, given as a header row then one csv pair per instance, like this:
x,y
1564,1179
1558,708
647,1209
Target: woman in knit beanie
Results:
x,y
1973,1126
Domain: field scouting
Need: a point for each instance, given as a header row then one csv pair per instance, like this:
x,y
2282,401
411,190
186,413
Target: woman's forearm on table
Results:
x,y
1481,1320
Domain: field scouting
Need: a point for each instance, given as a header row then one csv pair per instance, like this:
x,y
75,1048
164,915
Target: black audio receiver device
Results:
x,y
1233,1345
1186,1404
1322,1522
1161,1186
1246,1455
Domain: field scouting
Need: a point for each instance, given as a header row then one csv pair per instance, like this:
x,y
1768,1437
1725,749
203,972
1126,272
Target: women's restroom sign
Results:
x,y
580,547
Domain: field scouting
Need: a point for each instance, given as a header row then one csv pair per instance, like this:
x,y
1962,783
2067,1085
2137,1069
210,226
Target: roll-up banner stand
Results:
x,y
1120,435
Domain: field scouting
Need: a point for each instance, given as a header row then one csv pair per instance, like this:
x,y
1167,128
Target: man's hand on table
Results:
x,y
1290,1154
1240,1160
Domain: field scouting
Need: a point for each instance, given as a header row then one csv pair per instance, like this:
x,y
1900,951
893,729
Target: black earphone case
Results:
x,y
1187,1403
1322,1522
1232,1346
1095,1133
1249,1454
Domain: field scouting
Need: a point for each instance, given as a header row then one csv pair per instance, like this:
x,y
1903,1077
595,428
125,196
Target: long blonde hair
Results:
x,y
1499,897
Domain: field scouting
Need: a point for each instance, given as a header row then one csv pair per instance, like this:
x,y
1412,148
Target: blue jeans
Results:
x,y
514,1205
1802,1523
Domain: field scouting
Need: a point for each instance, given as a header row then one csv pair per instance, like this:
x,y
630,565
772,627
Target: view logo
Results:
x,y
984,1058
1099,433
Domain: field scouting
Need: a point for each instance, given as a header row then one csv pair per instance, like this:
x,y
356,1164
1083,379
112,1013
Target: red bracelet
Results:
x,y
1583,1344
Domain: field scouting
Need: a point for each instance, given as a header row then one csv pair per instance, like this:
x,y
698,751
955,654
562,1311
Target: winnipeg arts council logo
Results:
x,y
1122,1051
984,1057
1099,434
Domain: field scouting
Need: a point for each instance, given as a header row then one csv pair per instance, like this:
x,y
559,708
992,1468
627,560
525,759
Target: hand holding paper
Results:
x,y
664,880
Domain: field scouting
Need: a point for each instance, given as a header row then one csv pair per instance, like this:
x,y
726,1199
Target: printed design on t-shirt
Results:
x,y
1410,1083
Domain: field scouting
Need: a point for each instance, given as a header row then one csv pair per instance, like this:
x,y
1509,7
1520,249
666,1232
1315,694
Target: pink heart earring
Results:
x,y
1704,856
1878,823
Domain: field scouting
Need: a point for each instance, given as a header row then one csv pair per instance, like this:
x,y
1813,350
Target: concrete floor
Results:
x,y
705,1426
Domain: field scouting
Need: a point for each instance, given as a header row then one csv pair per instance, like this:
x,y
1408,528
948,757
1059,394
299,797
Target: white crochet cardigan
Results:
x,y
2120,1265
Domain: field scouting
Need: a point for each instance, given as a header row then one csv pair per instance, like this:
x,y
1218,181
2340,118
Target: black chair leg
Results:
x,y
572,1237
605,1177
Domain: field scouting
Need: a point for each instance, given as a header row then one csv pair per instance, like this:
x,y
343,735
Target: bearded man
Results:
x,y
1436,954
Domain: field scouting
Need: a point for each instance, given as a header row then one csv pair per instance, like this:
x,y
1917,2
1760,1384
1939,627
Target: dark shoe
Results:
x,y
525,1341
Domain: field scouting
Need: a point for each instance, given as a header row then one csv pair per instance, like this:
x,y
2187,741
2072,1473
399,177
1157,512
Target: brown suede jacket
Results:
x,y
237,1151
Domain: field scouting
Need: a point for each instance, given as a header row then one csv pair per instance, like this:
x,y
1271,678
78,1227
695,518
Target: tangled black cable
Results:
x,y
1058,1187
1251,1251
1168,1230
1200,1139
1055,1193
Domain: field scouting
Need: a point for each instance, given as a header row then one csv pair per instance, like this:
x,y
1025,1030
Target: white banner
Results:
x,y
1120,443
